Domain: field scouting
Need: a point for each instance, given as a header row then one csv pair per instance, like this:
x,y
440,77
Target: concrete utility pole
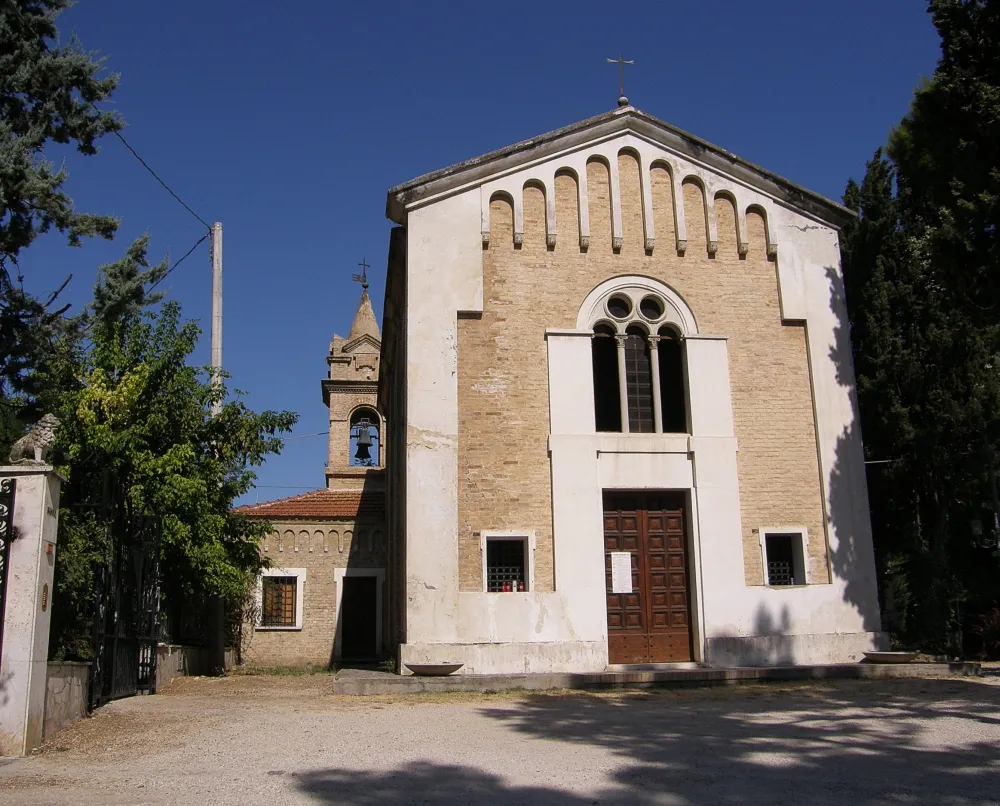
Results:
x,y
216,616
217,309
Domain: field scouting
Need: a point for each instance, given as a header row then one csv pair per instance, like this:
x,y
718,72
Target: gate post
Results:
x,y
27,611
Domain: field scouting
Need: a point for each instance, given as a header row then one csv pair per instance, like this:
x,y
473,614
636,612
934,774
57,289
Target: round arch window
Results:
x,y
619,306
651,308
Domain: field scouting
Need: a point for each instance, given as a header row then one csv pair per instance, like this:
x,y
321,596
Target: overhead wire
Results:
x,y
306,436
178,262
156,176
169,190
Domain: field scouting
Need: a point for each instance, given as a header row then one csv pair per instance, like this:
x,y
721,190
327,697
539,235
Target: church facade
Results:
x,y
621,418
323,599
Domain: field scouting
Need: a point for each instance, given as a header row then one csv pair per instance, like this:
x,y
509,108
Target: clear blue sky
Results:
x,y
289,121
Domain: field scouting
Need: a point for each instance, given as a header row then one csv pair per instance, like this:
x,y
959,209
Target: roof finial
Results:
x,y
622,100
363,277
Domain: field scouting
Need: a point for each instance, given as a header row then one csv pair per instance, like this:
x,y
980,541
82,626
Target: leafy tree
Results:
x,y
47,95
140,414
921,269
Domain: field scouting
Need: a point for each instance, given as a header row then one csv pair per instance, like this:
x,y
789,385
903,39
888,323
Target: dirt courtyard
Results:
x,y
285,740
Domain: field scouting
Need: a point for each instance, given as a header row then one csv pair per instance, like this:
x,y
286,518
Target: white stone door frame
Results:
x,y
338,581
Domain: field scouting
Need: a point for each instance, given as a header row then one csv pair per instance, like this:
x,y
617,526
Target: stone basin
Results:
x,y
891,657
433,669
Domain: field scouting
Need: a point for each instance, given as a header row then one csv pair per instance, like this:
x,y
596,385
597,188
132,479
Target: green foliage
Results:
x,y
139,413
922,273
82,542
47,95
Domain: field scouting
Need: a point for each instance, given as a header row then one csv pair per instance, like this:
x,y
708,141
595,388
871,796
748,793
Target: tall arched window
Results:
x,y
607,391
638,357
672,394
364,439
638,380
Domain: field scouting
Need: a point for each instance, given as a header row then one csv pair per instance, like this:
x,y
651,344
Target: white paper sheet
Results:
x,y
621,572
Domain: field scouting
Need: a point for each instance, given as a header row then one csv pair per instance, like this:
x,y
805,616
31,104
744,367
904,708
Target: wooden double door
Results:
x,y
647,579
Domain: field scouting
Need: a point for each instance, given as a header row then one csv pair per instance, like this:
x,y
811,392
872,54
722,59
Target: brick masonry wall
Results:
x,y
502,372
319,548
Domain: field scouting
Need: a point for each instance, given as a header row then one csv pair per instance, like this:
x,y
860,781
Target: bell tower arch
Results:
x,y
356,457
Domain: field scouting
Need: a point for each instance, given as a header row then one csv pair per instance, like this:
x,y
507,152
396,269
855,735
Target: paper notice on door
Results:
x,y
621,572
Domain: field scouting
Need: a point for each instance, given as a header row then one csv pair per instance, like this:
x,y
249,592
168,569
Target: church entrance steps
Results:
x,y
364,682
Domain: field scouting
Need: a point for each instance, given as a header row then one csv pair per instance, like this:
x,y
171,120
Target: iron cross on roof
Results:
x,y
622,100
363,277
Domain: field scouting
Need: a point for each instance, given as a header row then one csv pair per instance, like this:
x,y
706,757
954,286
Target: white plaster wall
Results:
x,y
444,277
503,632
812,289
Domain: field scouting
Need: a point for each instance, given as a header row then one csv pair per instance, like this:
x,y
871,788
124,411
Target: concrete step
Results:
x,y
362,682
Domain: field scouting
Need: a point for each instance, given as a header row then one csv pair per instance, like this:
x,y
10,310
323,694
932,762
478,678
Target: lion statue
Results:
x,y
34,445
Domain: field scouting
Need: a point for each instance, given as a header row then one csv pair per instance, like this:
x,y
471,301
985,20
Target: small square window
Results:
x,y
506,565
278,602
784,557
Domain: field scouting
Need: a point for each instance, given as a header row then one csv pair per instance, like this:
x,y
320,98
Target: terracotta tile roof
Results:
x,y
319,504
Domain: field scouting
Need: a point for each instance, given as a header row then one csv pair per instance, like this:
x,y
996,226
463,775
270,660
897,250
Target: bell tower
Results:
x,y
356,458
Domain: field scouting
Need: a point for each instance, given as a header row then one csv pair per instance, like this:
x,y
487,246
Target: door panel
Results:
x,y
652,624
626,611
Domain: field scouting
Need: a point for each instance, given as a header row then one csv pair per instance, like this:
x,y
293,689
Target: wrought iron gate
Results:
x,y
8,488
126,610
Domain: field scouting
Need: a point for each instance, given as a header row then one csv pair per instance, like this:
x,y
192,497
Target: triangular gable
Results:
x,y
623,120
352,346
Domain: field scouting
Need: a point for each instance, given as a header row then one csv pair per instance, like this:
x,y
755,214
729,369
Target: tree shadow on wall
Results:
x,y
851,556
768,645
874,743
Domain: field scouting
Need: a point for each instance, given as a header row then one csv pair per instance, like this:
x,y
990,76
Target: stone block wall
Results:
x,y
65,695
502,372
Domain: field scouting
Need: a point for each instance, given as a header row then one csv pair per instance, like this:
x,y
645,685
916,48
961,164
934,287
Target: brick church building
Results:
x,y
611,421
621,417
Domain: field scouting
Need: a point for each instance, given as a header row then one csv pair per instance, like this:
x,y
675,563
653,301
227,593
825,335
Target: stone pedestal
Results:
x,y
28,610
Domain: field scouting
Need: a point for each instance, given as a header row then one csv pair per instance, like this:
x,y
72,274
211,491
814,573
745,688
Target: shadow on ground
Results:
x,y
907,742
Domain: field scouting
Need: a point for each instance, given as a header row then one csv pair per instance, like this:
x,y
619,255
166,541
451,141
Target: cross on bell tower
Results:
x,y
363,277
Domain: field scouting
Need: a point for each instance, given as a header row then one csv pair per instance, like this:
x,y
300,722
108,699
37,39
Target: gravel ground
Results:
x,y
284,740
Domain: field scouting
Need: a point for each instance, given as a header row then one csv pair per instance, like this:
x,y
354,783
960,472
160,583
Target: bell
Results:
x,y
363,453
364,437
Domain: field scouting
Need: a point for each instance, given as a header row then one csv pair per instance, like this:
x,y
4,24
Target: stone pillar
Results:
x,y
622,382
654,360
24,654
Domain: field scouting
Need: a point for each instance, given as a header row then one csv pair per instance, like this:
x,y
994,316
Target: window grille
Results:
x,y
278,606
781,560
505,566
639,381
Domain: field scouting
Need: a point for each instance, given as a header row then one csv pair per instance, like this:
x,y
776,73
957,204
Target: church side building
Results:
x,y
622,420
323,600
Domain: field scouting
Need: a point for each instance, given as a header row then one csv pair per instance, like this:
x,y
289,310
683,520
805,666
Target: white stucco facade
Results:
x,y
732,623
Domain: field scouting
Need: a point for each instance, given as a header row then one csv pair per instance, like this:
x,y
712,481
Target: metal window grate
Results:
x,y
780,560
780,573
505,563
279,602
